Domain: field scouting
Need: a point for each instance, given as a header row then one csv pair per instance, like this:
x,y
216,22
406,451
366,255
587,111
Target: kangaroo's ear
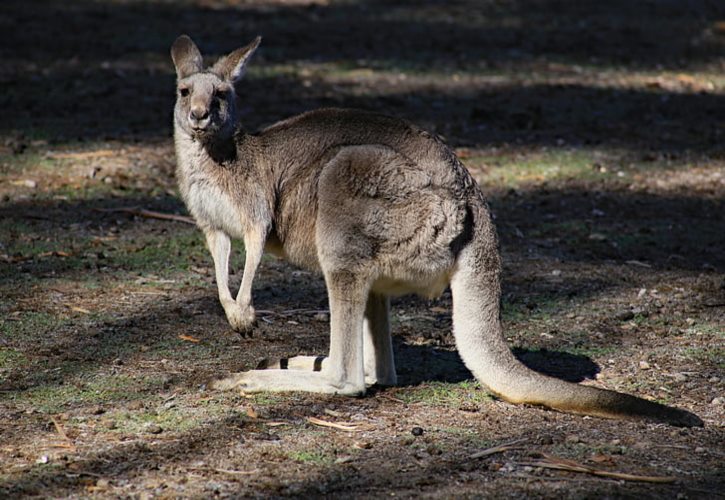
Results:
x,y
186,57
232,67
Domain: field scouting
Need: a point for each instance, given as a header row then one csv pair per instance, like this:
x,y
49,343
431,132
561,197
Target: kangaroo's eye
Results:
x,y
184,92
221,94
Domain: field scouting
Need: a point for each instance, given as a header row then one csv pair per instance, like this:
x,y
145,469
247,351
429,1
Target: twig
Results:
x,y
69,445
391,398
290,312
551,462
334,425
226,471
149,214
59,429
498,449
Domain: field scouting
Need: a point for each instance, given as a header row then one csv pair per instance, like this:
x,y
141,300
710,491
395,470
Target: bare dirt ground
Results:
x,y
596,130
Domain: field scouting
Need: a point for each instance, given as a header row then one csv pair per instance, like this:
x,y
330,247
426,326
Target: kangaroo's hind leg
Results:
x,y
377,347
378,343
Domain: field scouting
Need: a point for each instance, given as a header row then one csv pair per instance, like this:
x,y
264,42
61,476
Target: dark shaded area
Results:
x,y
101,70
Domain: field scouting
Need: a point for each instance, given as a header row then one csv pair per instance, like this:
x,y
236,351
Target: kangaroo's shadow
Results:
x,y
417,364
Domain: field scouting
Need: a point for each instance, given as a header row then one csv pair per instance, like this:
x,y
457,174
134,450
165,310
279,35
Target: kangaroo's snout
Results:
x,y
199,117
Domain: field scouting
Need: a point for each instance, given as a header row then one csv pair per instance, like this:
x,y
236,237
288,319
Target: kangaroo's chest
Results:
x,y
212,207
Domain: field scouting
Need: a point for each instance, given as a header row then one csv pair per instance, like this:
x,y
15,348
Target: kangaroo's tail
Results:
x,y
475,286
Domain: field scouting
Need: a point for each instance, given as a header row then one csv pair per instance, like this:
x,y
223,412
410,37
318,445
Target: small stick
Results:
x,y
59,429
149,214
391,398
498,449
341,427
226,471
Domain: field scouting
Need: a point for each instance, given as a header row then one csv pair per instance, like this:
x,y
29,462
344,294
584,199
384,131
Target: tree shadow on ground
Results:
x,y
64,82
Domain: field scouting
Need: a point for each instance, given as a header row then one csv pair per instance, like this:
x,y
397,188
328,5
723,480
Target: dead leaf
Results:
x,y
252,413
189,338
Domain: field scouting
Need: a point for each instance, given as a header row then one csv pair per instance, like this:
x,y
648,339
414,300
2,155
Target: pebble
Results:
x,y
154,429
544,440
573,438
690,321
417,431
714,380
321,317
624,315
97,410
680,377
718,401
643,365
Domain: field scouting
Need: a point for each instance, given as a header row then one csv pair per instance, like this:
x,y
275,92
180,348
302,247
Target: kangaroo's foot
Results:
x,y
241,319
316,364
276,380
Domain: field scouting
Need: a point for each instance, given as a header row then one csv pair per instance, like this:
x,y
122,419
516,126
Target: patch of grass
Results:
x,y
10,358
515,171
170,420
316,457
446,394
30,324
20,164
100,388
162,255
710,355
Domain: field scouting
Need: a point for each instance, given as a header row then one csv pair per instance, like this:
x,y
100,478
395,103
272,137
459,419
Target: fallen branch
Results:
x,y
498,449
149,214
551,462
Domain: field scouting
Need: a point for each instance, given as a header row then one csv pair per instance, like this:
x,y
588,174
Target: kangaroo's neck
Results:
x,y
221,150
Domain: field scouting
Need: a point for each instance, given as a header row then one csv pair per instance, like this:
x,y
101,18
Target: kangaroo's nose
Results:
x,y
199,114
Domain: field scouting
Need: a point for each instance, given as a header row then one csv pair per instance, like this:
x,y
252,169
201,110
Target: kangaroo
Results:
x,y
378,206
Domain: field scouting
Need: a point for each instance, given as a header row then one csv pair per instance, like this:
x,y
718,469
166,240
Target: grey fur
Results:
x,y
377,205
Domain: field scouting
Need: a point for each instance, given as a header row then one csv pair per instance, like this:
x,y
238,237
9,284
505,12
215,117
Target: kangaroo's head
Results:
x,y
205,102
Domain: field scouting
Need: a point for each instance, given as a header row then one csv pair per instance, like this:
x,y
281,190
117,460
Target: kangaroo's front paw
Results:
x,y
241,319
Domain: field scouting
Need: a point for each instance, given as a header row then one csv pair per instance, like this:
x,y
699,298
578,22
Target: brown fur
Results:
x,y
378,206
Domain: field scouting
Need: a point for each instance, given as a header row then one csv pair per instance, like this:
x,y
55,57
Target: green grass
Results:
x,y
535,168
711,355
10,358
446,394
30,324
312,457
170,420
87,390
